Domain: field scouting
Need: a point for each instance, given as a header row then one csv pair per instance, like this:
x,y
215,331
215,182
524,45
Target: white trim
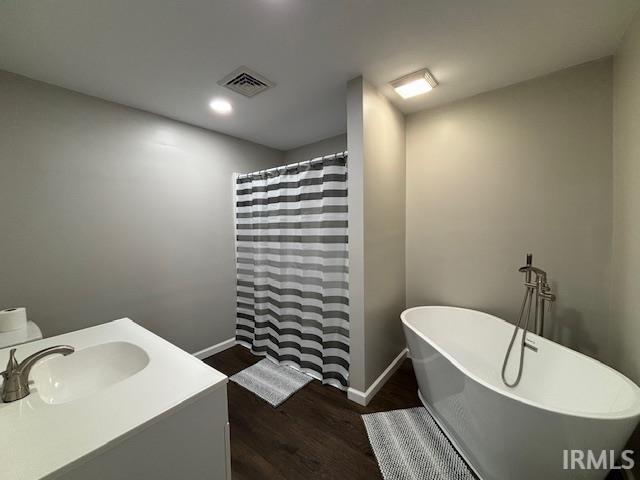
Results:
x,y
217,348
363,398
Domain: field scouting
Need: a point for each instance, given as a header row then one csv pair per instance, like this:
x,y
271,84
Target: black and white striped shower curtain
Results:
x,y
292,267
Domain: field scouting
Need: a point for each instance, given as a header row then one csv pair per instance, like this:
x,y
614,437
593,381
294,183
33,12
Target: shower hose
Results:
x,y
526,305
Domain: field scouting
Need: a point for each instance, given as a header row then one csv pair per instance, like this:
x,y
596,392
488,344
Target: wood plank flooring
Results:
x,y
316,434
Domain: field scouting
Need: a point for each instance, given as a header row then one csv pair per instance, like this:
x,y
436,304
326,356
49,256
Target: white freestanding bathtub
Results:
x,y
565,400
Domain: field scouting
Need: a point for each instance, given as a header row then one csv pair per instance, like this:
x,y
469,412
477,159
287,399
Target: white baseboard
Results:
x,y
217,348
363,398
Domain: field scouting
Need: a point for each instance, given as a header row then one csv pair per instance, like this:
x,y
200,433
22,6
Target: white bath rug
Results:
x,y
271,382
409,445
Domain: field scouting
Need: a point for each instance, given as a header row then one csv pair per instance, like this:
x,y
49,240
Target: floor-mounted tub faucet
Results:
x,y
542,291
16,376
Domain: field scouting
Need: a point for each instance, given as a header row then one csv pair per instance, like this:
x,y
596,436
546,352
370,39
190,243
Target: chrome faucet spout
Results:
x,y
16,376
26,365
529,268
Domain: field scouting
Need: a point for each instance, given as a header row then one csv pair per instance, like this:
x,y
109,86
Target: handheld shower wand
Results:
x,y
526,305
543,294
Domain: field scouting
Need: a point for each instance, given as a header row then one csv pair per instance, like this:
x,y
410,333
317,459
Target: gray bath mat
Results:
x,y
271,382
409,445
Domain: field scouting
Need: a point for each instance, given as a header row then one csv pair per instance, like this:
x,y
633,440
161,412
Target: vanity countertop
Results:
x,y
41,440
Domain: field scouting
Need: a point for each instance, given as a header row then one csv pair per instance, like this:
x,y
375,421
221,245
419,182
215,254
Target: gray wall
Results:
x,y
526,168
355,144
376,142
384,231
109,212
625,321
625,303
317,149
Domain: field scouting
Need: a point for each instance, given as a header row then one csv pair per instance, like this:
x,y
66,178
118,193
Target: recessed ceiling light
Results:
x,y
415,83
220,105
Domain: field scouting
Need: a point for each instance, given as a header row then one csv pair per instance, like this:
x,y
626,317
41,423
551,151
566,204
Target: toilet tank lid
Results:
x,y
29,334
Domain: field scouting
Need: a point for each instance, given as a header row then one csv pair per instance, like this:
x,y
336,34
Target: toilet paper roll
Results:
x,y
13,319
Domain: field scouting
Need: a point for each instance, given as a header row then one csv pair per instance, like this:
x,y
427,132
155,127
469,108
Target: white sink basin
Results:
x,y
60,379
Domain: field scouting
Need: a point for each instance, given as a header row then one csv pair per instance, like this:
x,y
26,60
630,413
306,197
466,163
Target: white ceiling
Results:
x,y
165,56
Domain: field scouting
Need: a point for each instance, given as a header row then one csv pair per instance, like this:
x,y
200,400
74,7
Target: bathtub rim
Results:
x,y
629,413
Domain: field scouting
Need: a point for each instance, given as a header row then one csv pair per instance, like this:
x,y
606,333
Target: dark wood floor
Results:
x,y
316,434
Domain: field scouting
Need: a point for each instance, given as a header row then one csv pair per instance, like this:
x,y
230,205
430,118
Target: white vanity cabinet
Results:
x,y
125,405
190,443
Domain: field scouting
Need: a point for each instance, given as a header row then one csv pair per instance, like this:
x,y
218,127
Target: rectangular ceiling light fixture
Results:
x,y
415,83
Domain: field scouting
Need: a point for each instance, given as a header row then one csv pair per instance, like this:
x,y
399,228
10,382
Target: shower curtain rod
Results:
x,y
291,165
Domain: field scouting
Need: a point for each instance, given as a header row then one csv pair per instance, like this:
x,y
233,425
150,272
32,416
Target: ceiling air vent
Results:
x,y
246,82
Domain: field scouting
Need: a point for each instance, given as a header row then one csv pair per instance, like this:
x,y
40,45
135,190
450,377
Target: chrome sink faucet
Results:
x,y
16,376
